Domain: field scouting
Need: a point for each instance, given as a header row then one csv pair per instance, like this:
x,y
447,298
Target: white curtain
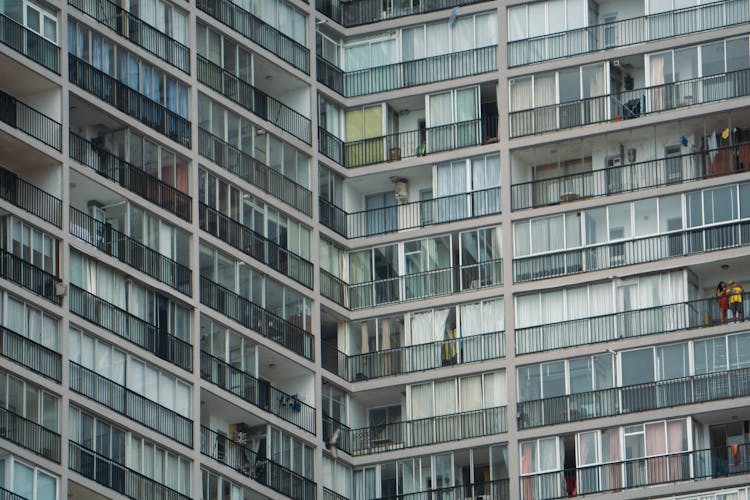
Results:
x,y
438,39
471,319
601,299
440,109
552,309
421,328
577,303
471,393
440,325
463,34
495,390
649,291
466,104
493,315
486,30
520,94
544,90
445,397
517,23
527,310
413,43
421,401
451,178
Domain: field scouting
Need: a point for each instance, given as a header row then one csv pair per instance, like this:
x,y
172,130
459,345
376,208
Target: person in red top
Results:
x,y
722,294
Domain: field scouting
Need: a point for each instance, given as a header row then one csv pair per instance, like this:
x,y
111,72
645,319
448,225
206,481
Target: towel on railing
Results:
x,y
735,450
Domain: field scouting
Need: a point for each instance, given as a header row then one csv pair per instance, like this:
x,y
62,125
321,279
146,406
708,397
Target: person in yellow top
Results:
x,y
735,301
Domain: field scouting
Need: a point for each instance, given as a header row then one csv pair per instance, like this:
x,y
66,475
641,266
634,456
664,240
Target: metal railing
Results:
x,y
130,177
631,177
407,74
115,476
409,144
413,214
413,358
130,251
123,324
29,197
256,245
137,31
498,489
9,495
254,100
250,315
133,405
257,392
18,115
29,276
330,495
30,44
257,31
31,354
256,466
630,104
254,171
355,13
635,251
30,435
128,100
628,32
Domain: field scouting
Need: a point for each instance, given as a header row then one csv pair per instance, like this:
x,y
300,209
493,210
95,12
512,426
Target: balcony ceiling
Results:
x,y
19,81
83,189
84,114
20,157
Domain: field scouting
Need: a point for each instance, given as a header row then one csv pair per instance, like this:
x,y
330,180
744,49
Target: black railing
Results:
x,y
128,100
495,490
31,354
250,315
630,104
360,12
29,197
32,45
637,251
254,100
628,32
26,119
258,392
331,426
256,466
332,495
29,276
137,31
130,177
632,177
130,251
30,435
407,73
126,402
409,144
254,171
256,245
9,495
409,215
114,475
257,31
123,324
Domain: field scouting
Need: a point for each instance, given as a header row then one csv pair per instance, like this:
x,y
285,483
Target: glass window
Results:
x,y
637,366
672,361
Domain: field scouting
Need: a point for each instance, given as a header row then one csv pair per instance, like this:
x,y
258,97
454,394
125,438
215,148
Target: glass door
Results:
x,y
636,472
382,213
450,184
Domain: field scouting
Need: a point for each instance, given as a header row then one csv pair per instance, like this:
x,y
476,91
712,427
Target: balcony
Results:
x,y
122,400
30,44
130,251
26,119
332,495
350,14
9,495
29,276
30,435
116,476
413,358
29,197
258,319
409,144
137,31
407,73
255,466
256,245
253,171
129,101
130,177
495,490
628,32
123,324
30,354
257,31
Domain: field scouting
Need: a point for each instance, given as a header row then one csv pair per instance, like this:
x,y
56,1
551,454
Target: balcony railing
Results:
x,y
134,406
29,276
632,177
9,495
30,354
257,392
114,475
330,495
630,104
130,251
130,177
413,358
407,73
628,32
30,435
409,144
26,119
123,324
32,45
625,324
361,12
253,171
409,215
257,31
137,31
254,100
629,252
258,319
256,245
637,473
29,197
256,466
128,100
494,490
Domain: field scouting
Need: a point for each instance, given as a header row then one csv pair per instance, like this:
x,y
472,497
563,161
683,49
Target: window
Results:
x,y
41,20
481,251
158,464
35,324
32,245
558,378
29,401
540,18
26,480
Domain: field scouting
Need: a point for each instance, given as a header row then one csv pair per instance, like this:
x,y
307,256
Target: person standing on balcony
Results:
x,y
735,301
722,294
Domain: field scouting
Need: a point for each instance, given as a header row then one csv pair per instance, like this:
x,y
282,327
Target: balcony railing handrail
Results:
x,y
33,355
29,276
31,198
29,434
48,56
360,12
454,491
33,122
329,494
9,495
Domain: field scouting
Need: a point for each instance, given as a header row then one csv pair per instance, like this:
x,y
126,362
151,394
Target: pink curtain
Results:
x,y
677,442
613,480
656,448
527,457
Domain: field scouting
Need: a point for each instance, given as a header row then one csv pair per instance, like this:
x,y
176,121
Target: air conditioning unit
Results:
x,y
401,190
60,289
